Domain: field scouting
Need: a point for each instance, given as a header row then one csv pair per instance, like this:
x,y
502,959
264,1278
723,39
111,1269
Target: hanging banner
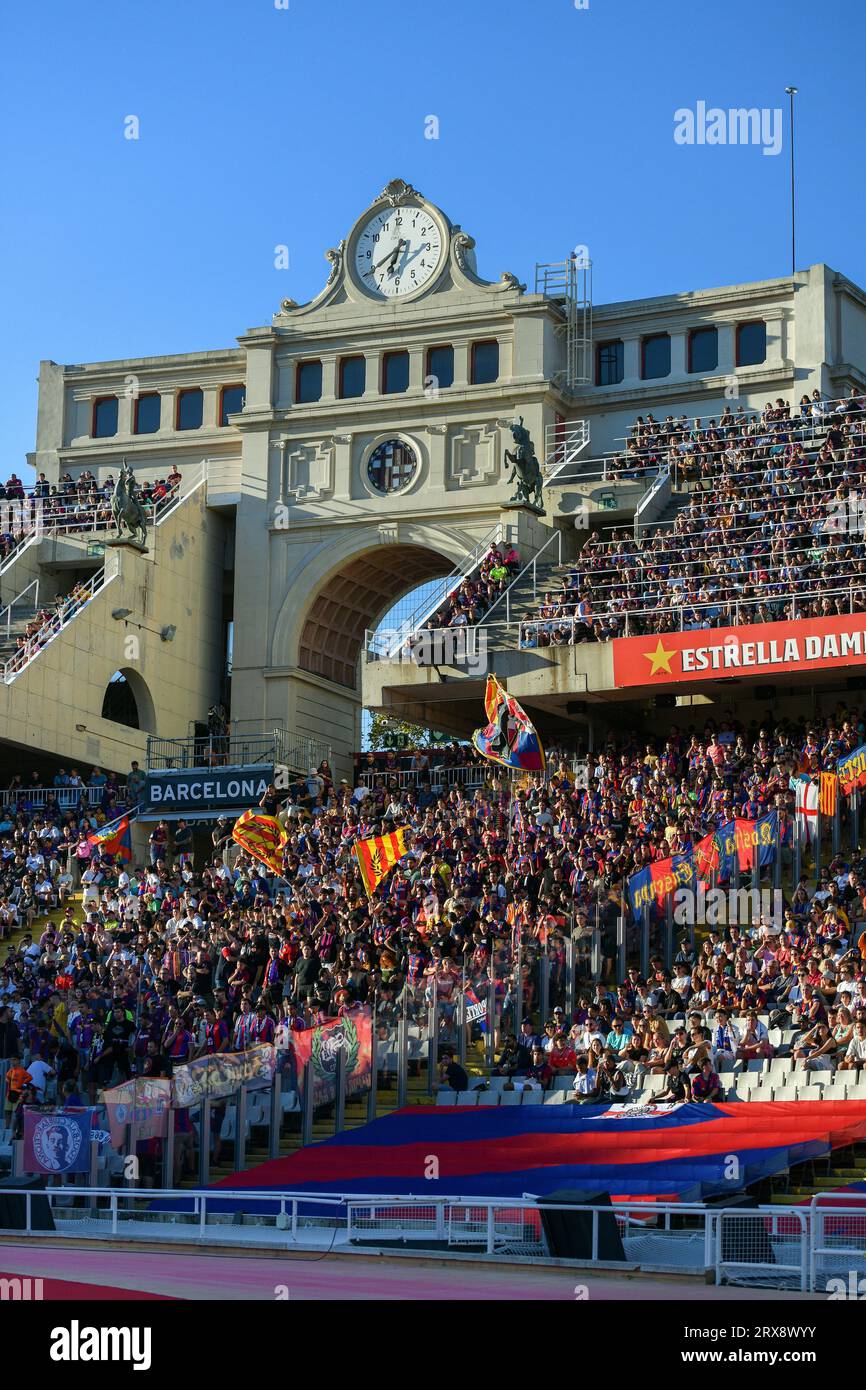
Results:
x,y
143,1102
852,770
321,1046
57,1141
210,1078
806,644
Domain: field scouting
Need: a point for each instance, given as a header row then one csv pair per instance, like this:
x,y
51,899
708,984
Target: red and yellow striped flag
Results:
x,y
376,857
263,837
828,790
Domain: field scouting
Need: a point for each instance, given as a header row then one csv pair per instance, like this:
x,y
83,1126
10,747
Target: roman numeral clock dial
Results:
x,y
398,251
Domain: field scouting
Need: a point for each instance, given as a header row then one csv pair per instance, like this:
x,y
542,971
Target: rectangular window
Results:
x,y
610,363
353,377
308,383
703,350
231,402
485,363
395,373
104,418
190,409
440,367
751,344
147,414
655,356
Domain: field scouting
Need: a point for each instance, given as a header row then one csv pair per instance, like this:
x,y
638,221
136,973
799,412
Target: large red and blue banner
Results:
x,y
509,737
674,1152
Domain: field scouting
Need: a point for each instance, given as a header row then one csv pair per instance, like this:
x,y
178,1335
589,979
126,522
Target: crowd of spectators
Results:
x,y
774,529
468,604
202,950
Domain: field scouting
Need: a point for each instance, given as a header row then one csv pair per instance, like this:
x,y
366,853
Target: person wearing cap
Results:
x,y
677,1088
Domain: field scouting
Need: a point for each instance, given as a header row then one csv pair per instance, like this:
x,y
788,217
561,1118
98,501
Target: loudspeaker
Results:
x,y
569,1233
13,1209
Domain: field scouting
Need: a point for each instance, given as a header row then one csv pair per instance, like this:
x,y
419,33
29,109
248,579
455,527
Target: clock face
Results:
x,y
398,250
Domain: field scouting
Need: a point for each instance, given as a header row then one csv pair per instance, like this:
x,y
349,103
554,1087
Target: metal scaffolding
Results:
x,y
569,283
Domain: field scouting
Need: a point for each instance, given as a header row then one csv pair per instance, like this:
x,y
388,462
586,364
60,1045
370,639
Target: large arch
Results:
x,y
348,585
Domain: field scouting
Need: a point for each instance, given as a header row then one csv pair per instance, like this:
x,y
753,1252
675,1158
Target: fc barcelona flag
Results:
x,y
828,791
114,838
509,737
263,837
376,857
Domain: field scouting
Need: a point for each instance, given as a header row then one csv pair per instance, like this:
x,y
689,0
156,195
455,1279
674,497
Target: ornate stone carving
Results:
x,y
397,192
336,259
310,469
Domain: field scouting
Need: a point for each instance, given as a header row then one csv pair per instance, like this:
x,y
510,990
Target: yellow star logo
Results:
x,y
660,660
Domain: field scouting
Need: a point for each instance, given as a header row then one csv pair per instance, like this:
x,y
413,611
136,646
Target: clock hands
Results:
x,y
391,256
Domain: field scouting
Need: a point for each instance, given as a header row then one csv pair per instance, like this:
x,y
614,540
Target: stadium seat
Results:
x,y
565,1082
446,1097
467,1098
511,1098
756,1066
488,1097
533,1097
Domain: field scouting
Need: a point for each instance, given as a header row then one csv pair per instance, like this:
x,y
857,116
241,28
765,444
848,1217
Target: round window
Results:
x,y
392,466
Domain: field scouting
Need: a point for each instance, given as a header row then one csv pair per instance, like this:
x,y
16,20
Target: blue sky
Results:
x,y
262,126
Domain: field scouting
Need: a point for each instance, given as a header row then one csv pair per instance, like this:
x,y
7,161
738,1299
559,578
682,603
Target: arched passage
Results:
x,y
127,701
353,599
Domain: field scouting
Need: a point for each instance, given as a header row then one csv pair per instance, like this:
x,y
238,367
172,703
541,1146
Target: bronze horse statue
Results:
x,y
526,468
126,509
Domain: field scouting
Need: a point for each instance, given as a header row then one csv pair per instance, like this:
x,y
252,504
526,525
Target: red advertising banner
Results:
x,y
351,1035
719,653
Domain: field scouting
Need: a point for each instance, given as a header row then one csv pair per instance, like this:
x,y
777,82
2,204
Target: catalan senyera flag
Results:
x,y
509,737
377,856
828,791
261,836
115,838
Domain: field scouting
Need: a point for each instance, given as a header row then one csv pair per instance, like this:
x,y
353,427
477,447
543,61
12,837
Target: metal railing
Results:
x,y
555,538
278,747
809,1248
59,621
728,612
385,642
564,442
469,776
6,614
65,797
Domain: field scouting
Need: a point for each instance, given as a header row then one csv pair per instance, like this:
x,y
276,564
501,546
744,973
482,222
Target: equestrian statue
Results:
x,y
526,468
127,510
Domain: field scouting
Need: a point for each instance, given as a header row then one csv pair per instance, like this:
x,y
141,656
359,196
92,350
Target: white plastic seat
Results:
x,y
533,1097
511,1097
489,1097
446,1098
564,1083
467,1098
756,1064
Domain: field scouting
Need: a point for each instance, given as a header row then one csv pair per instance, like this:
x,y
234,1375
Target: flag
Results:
x,y
377,856
828,791
727,841
707,856
114,838
509,737
263,837
476,1009
806,807
852,770
640,892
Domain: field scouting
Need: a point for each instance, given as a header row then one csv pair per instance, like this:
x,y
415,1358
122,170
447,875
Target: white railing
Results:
x,y
6,617
650,499
531,567
59,621
185,488
732,612
386,642
838,407
564,442
798,1247
66,797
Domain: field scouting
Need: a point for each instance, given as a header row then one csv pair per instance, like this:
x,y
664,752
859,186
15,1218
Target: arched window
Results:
x,y
119,704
